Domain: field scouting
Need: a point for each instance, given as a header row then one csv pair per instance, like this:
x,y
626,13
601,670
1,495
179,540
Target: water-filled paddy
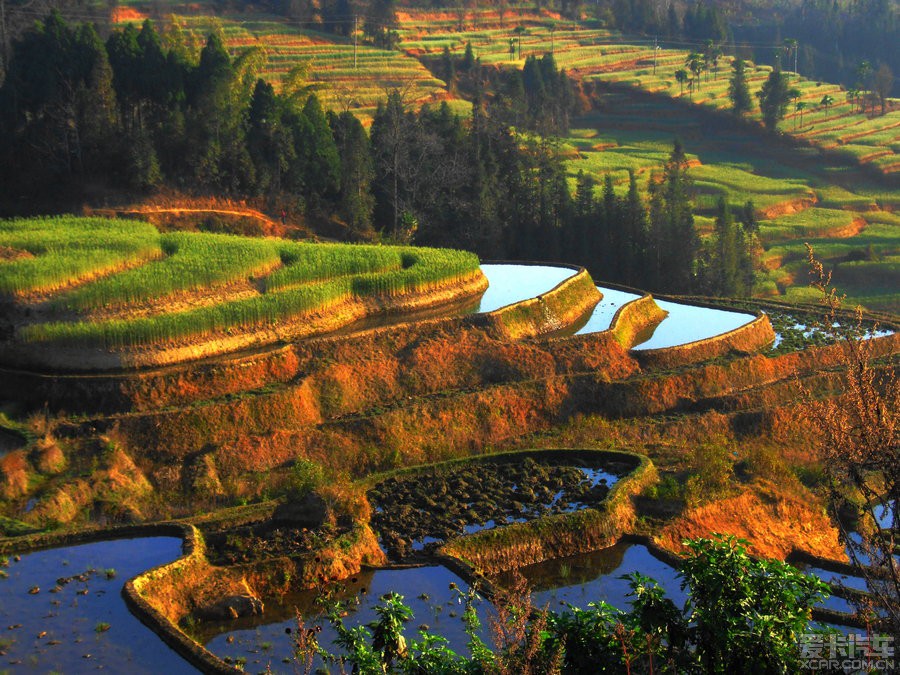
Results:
x,y
688,323
595,576
438,503
510,284
263,639
76,620
602,316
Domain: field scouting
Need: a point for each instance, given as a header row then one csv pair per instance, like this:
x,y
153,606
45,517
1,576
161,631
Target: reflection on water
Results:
x,y
594,576
514,283
687,323
263,640
884,514
57,615
602,316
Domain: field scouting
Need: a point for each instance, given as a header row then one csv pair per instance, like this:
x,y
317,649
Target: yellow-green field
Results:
x,y
598,54
157,286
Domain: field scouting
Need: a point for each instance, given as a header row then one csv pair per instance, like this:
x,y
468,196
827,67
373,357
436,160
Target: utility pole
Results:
x,y
655,51
354,41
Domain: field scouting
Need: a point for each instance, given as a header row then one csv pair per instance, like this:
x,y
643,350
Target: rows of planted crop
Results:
x,y
351,76
80,249
312,262
308,278
826,118
193,261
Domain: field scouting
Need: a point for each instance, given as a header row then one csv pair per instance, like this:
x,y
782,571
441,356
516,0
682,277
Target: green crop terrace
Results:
x,y
294,279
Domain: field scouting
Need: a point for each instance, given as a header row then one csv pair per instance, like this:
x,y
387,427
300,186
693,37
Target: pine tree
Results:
x,y
737,89
725,271
322,163
774,98
634,225
355,201
681,240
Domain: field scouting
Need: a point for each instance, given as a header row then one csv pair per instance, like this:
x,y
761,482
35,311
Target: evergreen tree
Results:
x,y
608,227
96,108
737,89
269,142
774,98
634,225
675,244
731,264
726,275
355,201
320,155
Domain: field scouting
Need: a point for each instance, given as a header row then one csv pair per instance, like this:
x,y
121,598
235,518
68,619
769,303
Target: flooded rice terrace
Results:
x,y
269,640
62,610
417,511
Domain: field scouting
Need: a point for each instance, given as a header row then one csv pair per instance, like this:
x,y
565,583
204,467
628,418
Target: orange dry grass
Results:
x,y
773,521
127,14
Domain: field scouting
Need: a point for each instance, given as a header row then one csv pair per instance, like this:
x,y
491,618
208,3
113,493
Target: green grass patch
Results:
x,y
312,277
59,252
193,261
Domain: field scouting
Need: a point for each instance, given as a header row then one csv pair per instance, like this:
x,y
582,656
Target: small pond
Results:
x,y
798,331
510,284
592,577
62,610
415,511
264,640
688,323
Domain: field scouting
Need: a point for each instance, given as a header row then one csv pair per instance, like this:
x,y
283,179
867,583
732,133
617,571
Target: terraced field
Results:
x,y
797,198
635,132
597,54
73,282
345,77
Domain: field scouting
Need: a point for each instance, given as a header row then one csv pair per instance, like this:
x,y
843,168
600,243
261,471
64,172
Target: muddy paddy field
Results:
x,y
419,511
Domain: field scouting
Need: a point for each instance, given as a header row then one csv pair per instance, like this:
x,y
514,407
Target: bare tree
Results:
x,y
882,83
861,454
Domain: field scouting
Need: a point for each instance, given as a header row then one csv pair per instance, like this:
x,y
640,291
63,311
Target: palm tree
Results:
x,y
826,101
694,62
863,75
520,31
681,77
800,107
852,97
716,55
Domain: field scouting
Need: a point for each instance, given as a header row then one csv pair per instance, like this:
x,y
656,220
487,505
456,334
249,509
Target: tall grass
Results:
x,y
313,278
68,250
193,261
309,262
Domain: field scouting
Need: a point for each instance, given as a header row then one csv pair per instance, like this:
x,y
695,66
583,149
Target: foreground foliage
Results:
x,y
743,616
861,453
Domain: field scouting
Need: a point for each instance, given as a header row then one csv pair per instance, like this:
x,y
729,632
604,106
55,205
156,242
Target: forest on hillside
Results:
x,y
136,112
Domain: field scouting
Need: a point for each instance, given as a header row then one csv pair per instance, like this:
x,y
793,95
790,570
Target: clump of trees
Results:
x,y
139,112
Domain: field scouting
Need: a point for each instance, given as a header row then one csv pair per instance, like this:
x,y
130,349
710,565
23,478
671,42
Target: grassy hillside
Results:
x,y
591,53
